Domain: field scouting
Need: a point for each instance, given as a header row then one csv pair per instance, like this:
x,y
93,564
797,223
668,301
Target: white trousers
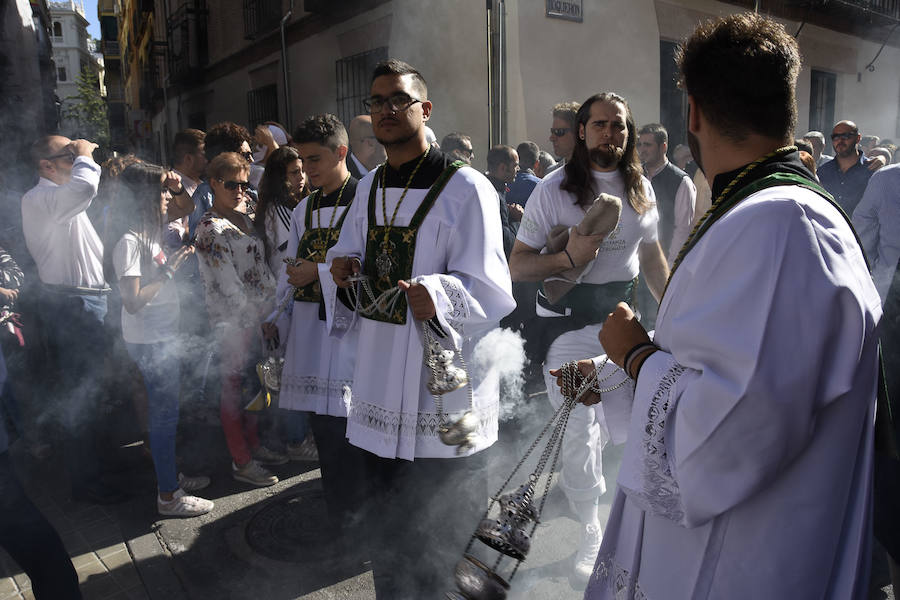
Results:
x,y
581,476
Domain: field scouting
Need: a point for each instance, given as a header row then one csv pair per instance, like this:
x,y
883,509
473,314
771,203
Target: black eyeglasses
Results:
x,y
248,156
559,131
233,185
845,136
68,155
397,103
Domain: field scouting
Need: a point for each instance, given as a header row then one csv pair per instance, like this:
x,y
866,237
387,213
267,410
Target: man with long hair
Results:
x,y
604,160
748,467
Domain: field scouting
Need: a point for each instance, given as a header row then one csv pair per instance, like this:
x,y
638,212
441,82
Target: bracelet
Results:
x,y
167,271
633,353
569,256
180,191
646,355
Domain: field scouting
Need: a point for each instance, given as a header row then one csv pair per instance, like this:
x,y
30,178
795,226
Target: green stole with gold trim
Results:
x,y
390,250
313,245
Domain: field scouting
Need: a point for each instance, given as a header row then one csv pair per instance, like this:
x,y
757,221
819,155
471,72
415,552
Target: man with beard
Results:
x,y
604,160
748,467
424,230
847,175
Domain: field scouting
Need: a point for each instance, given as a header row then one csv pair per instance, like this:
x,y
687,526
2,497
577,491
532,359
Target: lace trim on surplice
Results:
x,y
660,494
456,293
618,580
425,424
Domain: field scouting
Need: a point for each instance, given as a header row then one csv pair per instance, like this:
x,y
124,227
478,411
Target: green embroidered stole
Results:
x,y
390,250
313,245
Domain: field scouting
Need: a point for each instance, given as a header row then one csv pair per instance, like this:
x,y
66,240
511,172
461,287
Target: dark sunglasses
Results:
x,y
559,131
68,155
397,103
248,156
233,185
846,136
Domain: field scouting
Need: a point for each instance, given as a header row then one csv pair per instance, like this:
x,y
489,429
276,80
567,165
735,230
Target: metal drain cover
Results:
x,y
292,528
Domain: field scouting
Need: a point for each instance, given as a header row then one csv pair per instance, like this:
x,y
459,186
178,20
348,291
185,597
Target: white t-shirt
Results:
x,y
617,260
158,319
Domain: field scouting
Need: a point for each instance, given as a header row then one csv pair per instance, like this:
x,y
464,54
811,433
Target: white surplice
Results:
x,y
318,368
748,468
459,259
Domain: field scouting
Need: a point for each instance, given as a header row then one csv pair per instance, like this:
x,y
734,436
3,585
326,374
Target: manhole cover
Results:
x,y
293,528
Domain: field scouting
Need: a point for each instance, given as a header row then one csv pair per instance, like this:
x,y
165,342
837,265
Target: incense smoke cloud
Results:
x,y
503,352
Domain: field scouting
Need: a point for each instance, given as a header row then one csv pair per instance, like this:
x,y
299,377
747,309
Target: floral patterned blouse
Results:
x,y
240,288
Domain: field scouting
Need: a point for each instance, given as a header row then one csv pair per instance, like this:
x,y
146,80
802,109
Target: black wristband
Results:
x,y
641,366
180,191
635,350
569,256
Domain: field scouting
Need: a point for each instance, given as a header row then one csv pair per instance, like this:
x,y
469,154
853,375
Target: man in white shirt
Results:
x,y
603,160
748,467
69,258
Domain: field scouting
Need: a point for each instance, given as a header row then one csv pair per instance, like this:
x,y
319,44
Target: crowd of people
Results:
x,y
355,253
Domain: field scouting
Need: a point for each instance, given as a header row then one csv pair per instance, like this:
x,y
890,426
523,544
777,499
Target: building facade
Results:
x,y
73,52
494,69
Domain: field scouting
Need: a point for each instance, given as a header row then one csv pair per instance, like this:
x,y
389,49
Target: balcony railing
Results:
x,y
111,49
261,17
188,48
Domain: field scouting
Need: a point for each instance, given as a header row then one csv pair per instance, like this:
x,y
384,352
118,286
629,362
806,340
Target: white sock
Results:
x,y
587,511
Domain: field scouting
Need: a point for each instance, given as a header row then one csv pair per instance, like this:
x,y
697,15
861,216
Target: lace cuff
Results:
x,y
451,303
647,476
338,318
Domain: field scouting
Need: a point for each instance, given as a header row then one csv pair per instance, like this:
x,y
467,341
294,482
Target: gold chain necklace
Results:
x,y
715,205
321,242
385,262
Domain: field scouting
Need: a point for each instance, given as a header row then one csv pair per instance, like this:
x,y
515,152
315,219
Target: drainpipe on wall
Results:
x,y
286,71
490,78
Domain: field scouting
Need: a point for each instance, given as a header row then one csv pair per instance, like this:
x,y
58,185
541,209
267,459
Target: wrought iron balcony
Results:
x,y
188,48
261,17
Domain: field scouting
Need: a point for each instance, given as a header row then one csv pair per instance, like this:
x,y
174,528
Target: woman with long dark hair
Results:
x,y
150,316
282,186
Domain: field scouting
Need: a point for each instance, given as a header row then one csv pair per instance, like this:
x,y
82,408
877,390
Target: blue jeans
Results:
x,y
161,367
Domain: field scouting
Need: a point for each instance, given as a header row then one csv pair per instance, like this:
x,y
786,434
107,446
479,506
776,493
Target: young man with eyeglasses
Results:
x,y
425,232
73,300
847,175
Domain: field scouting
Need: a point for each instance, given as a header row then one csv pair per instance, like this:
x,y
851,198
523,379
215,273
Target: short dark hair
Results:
x,y
741,71
225,137
41,149
187,141
528,154
568,111
803,145
393,66
325,130
454,141
659,132
500,154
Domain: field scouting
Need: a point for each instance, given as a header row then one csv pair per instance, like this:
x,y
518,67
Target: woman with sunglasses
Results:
x,y
150,317
240,289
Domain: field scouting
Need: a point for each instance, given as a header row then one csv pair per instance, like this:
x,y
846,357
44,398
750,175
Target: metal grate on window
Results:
x,y
260,17
262,105
354,74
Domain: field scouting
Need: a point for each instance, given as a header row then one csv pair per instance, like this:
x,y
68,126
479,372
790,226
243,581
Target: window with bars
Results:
x,y
821,102
353,75
261,17
262,105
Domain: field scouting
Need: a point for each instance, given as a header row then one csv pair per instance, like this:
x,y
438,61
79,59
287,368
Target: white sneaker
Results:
x,y
192,484
264,456
253,474
588,549
182,505
304,451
